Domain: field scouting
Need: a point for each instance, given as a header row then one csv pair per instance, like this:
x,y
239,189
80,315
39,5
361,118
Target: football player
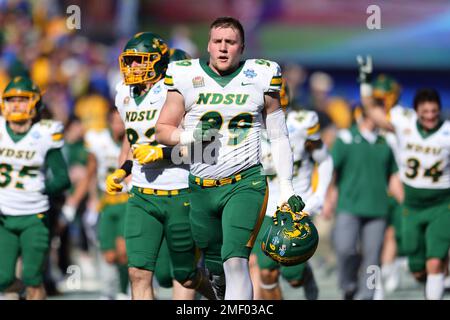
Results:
x,y
423,156
158,205
224,103
104,148
29,149
386,91
308,149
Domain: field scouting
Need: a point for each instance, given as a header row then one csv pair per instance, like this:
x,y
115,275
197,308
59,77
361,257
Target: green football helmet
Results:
x,y
291,239
144,59
178,54
387,90
21,100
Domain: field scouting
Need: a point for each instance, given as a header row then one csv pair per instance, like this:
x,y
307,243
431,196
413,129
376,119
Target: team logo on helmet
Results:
x,y
291,239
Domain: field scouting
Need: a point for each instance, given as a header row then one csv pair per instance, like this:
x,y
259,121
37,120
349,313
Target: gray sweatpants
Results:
x,y
358,242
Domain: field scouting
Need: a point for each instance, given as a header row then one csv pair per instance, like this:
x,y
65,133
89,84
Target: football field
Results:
x,y
326,277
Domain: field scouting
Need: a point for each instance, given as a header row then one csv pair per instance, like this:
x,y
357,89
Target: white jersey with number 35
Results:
x,y
424,161
22,167
233,103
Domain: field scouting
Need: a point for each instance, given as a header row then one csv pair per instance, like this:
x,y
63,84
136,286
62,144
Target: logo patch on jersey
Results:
x,y
250,73
157,89
36,135
198,82
126,100
407,131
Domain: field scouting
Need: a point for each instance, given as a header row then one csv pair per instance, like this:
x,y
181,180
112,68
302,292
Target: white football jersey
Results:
x,y
424,162
22,167
106,151
391,138
234,102
140,120
302,125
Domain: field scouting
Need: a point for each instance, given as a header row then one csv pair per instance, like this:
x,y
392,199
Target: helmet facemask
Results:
x,y
143,69
22,109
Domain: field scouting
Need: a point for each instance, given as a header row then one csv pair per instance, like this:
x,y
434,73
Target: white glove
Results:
x,y
365,69
69,212
314,205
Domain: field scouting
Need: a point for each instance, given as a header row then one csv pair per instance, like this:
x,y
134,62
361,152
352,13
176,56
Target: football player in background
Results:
x,y
31,168
386,92
423,157
159,203
308,149
104,148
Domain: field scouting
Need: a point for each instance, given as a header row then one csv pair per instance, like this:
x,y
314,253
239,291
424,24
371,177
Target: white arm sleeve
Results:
x,y
281,152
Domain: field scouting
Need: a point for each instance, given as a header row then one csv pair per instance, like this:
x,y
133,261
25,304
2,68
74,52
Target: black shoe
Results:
x,y
349,295
310,285
218,285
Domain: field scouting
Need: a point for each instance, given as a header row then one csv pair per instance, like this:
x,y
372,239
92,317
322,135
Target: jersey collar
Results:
x,y
221,80
15,137
426,133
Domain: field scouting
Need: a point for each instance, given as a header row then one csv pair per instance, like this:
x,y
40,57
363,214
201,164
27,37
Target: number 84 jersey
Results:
x,y
424,157
22,167
232,103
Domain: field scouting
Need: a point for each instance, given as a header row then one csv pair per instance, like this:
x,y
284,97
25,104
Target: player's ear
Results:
x,y
242,48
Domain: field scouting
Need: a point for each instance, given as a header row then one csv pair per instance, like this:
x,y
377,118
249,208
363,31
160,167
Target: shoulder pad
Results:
x,y
305,120
53,129
178,71
268,71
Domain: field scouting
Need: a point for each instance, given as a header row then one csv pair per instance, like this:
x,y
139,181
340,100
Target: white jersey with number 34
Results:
x,y
424,161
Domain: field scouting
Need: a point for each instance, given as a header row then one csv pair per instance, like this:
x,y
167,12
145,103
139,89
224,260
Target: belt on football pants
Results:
x,y
158,192
207,183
